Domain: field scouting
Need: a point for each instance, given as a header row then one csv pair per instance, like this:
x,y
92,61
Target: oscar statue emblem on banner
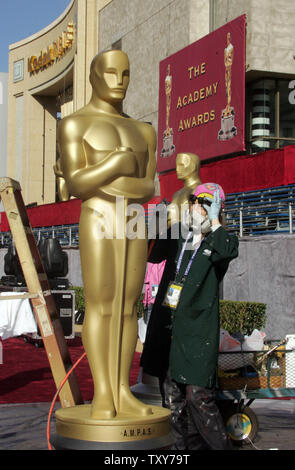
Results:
x,y
168,146
228,129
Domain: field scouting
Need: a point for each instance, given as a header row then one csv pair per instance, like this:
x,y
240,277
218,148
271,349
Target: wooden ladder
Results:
x,y
39,292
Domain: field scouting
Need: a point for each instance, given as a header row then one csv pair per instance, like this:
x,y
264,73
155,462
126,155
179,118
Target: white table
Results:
x,y
16,316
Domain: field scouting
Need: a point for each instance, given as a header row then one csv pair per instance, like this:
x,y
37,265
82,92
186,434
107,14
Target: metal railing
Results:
x,y
264,212
68,236
260,220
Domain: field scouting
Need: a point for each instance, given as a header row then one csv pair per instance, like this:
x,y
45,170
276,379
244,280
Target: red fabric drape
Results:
x,y
244,173
47,215
61,213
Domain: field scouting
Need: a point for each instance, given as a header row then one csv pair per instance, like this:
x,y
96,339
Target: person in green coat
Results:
x,y
182,341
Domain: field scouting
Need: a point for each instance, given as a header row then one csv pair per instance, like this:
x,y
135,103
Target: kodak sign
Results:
x,y
54,51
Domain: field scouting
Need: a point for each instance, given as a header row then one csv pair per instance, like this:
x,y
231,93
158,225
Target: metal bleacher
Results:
x,y
261,212
68,235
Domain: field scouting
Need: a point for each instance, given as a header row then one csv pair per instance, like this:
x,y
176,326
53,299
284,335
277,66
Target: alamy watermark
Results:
x,y
291,96
128,221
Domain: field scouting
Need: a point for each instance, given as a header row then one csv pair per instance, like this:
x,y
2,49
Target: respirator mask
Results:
x,y
199,223
196,223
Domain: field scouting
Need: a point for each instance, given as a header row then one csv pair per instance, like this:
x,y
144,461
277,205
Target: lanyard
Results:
x,y
191,259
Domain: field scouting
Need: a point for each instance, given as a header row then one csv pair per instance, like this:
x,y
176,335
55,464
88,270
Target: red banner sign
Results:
x,y
202,97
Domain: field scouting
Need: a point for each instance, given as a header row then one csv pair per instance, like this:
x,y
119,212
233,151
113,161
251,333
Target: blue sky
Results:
x,y
21,18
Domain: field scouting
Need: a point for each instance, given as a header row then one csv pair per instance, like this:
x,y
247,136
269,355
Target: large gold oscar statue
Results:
x,y
62,190
187,170
106,159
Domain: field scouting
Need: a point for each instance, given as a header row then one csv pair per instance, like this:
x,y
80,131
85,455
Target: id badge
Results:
x,y
173,295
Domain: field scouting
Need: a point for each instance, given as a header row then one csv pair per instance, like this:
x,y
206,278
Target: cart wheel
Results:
x,y
241,424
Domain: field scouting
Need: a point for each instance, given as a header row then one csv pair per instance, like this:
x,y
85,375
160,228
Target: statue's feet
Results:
x,y
130,404
102,408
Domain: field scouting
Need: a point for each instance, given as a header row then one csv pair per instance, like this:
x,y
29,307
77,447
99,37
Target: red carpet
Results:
x,y
25,375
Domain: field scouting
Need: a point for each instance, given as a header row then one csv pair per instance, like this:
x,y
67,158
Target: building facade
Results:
x,y
48,72
3,121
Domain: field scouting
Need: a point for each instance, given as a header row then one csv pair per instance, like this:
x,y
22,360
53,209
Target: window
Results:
x,y
18,71
272,114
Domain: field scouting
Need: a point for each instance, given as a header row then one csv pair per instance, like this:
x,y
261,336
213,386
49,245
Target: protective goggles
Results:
x,y
201,200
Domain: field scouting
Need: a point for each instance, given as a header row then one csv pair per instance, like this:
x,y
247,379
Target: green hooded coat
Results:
x,y
191,332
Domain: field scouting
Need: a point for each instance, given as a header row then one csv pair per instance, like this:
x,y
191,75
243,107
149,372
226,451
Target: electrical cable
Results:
x,y
55,398
252,443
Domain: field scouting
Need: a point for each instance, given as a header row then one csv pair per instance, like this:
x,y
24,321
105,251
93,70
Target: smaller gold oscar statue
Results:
x,y
106,156
168,146
228,129
187,169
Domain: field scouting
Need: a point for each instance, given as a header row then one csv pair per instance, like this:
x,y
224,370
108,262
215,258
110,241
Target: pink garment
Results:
x,y
153,278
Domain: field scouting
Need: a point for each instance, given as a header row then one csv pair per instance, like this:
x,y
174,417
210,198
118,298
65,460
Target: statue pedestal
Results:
x,y
168,146
76,430
228,129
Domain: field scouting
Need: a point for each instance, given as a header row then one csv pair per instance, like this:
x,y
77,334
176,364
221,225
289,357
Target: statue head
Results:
x,y
187,164
109,76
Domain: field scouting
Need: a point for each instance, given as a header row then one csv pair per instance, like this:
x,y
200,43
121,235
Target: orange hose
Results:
x,y
55,398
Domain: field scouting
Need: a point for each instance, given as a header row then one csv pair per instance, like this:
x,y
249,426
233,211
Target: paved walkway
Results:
x,y
276,419
23,427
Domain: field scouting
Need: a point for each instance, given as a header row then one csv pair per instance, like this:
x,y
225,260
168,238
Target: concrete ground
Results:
x,y
276,421
23,427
